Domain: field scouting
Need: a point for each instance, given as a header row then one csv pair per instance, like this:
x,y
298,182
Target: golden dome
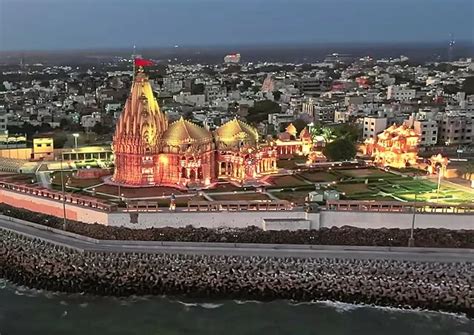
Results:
x,y
237,130
183,131
291,129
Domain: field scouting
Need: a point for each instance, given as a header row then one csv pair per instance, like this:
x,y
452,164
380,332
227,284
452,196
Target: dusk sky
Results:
x,y
72,24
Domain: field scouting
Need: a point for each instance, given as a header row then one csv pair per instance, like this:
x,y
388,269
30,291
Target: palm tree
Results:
x,y
327,133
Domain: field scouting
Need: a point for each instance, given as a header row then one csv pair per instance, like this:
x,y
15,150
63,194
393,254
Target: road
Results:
x,y
82,244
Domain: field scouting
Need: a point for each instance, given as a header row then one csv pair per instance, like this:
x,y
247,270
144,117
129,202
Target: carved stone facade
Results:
x,y
150,151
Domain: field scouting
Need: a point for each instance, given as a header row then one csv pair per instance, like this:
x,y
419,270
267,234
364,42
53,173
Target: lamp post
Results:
x,y
411,240
75,135
63,195
440,169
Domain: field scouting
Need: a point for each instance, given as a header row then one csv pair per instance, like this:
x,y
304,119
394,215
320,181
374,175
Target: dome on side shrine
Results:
x,y
235,132
183,132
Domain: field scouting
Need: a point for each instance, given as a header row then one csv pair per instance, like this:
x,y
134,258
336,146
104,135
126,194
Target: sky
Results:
x,y
90,24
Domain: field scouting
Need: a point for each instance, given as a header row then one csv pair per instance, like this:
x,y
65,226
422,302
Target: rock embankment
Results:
x,y
436,238
437,286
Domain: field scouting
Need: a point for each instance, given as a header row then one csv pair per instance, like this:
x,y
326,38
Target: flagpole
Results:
x,y
133,60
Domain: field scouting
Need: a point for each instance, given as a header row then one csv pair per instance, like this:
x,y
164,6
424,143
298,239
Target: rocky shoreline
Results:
x,y
435,285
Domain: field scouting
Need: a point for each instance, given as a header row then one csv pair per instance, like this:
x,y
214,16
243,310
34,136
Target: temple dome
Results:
x,y
183,132
236,131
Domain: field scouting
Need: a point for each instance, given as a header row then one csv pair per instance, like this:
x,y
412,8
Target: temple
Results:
x,y
150,151
396,146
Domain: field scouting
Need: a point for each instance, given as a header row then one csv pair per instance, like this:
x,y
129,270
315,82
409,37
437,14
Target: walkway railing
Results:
x,y
396,206
239,205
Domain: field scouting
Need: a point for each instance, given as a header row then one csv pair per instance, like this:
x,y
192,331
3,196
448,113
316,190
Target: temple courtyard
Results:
x,y
361,183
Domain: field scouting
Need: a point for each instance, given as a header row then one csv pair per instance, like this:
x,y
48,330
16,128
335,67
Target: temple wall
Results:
x,y
201,219
392,220
52,207
277,220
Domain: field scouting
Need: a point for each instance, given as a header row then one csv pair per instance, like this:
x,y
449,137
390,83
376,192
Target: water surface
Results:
x,y
30,312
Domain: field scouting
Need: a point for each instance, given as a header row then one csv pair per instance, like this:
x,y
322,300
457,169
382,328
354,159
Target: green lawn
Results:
x,y
137,192
317,176
291,163
366,173
286,181
239,196
350,189
297,197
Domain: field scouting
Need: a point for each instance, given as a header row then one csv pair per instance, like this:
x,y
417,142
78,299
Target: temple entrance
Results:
x,y
147,176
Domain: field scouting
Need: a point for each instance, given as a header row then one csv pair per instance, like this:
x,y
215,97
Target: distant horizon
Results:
x,y
37,25
244,46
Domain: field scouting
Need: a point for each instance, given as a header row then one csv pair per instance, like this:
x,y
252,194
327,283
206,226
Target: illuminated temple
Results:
x,y
149,150
396,146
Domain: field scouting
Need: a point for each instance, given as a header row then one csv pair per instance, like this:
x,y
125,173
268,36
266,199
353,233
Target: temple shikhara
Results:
x,y
151,151
396,146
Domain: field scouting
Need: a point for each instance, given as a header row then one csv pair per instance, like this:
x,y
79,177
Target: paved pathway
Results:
x,y
305,251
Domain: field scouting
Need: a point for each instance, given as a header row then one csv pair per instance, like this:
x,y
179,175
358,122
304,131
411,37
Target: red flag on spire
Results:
x,y
143,62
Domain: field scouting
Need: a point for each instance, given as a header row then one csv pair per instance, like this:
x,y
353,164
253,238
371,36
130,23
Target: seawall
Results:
x,y
443,286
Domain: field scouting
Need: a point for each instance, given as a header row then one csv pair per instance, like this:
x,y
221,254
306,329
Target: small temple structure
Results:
x,y
396,146
289,144
149,150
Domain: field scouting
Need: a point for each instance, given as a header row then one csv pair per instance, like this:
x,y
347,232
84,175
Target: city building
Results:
x,y
311,85
373,126
43,148
400,93
426,129
456,128
232,58
3,124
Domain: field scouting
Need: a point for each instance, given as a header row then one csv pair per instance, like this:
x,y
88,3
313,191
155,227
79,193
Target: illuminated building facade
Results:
x,y
396,146
150,151
289,144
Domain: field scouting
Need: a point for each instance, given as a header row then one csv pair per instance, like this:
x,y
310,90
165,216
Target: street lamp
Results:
x,y
63,195
75,135
411,240
440,171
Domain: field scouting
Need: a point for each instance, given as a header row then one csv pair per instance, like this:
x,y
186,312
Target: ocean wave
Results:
x,y
187,304
28,292
210,305
206,305
347,307
243,302
339,306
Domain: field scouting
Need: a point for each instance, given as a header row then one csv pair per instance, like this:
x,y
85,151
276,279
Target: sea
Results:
x,y
30,312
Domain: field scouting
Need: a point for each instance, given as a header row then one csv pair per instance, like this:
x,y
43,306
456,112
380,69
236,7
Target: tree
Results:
x,y
59,139
299,125
468,85
466,170
326,132
347,130
259,112
101,129
197,88
341,149
276,95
